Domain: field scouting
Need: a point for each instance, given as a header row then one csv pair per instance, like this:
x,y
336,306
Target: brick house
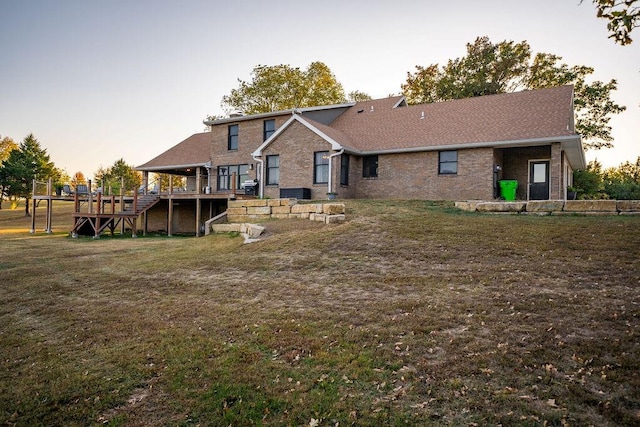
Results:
x,y
453,150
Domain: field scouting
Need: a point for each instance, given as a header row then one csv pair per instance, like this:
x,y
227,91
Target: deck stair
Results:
x,y
97,222
144,203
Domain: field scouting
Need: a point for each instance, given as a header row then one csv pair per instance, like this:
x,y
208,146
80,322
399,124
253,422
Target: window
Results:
x,y
268,128
273,170
344,169
226,174
321,167
539,173
448,163
370,167
232,143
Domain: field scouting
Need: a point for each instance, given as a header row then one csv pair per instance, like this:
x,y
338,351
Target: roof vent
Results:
x,y
360,111
236,113
371,111
422,116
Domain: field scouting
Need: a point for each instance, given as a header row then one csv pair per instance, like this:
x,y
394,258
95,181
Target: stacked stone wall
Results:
x,y
556,207
262,209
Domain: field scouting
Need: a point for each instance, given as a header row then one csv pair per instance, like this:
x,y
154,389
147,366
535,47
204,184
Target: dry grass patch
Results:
x,y
410,313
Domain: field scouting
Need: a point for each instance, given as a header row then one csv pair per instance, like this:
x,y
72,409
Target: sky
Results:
x,y
97,81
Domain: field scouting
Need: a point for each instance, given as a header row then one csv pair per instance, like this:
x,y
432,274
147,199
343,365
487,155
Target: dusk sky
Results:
x,y
96,81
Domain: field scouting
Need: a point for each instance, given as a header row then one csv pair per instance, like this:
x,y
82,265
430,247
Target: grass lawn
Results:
x,y
410,313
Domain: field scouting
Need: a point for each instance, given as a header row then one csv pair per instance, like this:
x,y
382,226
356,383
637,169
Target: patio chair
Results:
x,y
82,189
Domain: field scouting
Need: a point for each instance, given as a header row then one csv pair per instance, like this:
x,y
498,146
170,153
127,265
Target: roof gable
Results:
x,y
323,131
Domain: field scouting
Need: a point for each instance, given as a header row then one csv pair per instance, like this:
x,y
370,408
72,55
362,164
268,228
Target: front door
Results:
x,y
539,180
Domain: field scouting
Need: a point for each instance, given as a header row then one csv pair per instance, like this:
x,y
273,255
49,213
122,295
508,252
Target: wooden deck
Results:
x,y
95,213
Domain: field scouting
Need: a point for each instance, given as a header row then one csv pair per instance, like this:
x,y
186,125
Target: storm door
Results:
x,y
539,180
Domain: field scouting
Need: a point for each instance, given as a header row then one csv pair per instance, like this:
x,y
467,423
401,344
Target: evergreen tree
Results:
x,y
30,161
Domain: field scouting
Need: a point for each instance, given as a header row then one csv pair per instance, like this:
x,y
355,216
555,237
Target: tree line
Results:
x,y
21,164
617,183
487,68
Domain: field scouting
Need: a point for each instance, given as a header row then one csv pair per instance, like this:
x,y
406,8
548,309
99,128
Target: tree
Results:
x,y
282,87
60,177
490,68
78,179
588,182
112,177
623,182
30,161
357,96
622,15
7,145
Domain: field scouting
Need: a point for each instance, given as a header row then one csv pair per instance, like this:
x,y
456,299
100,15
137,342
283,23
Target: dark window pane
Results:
x,y
344,169
233,137
321,167
448,162
370,166
269,127
273,170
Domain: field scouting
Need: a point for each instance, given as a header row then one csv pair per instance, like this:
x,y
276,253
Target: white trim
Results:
x,y
331,156
169,167
466,145
400,101
295,117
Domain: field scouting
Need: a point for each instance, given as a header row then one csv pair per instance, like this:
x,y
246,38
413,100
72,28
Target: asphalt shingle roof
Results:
x,y
526,115
195,150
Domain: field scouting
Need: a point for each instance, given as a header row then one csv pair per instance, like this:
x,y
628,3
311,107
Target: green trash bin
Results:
x,y
508,189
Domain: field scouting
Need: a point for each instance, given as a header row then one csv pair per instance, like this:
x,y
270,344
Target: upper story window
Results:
x,y
232,141
321,167
268,128
273,170
448,163
344,169
370,167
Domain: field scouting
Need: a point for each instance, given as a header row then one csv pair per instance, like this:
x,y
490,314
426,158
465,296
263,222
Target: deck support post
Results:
x,y
33,210
123,225
198,215
198,201
49,206
170,213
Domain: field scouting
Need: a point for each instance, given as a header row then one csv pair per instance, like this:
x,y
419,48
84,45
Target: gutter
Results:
x,y
168,167
329,183
462,146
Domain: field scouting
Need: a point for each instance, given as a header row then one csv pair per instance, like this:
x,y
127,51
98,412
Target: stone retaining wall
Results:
x,y
556,207
261,209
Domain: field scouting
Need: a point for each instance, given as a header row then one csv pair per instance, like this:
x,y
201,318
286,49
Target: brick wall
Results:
x,y
415,176
400,176
296,147
250,137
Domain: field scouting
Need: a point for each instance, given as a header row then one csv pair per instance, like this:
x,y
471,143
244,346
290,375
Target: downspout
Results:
x,y
261,180
329,184
208,166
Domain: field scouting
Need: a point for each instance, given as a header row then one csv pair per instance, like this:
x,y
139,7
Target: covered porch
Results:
x,y
542,169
